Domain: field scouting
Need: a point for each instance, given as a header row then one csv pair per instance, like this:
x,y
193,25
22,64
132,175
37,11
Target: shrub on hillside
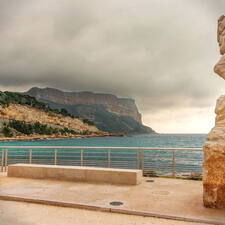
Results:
x,y
34,128
7,131
87,121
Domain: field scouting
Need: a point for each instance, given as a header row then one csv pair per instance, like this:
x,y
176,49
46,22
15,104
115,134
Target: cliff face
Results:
x,y
108,112
119,106
214,147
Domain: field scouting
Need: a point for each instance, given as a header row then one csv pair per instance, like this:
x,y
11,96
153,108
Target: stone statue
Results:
x,y
221,34
214,147
220,66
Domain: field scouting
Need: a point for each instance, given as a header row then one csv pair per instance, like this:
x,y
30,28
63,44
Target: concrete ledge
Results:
x,y
76,173
106,209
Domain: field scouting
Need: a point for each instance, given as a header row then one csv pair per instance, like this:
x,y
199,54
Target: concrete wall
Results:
x,y
76,173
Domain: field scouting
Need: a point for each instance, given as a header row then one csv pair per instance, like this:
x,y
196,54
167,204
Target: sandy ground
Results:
x,y
17,213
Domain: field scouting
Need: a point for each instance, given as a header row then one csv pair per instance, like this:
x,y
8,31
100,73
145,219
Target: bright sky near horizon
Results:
x,y
159,52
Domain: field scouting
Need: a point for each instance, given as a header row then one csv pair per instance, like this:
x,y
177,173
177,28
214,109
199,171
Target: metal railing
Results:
x,y
153,161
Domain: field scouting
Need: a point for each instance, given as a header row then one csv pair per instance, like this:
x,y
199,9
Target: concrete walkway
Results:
x,y
20,213
166,198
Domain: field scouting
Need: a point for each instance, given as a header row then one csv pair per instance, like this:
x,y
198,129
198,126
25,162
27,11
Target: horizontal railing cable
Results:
x,y
154,161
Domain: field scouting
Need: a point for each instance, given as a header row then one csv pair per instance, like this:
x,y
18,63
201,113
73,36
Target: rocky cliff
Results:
x,y
108,112
119,106
214,147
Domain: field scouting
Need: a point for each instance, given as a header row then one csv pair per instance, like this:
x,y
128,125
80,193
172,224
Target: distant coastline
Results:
x,y
52,137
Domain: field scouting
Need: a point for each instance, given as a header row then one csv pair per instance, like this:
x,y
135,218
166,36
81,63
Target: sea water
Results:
x,y
159,161
145,140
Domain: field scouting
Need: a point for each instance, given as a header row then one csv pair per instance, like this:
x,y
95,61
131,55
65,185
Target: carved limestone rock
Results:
x,y
214,147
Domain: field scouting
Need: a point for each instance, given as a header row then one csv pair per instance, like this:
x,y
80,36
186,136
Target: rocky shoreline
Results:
x,y
43,137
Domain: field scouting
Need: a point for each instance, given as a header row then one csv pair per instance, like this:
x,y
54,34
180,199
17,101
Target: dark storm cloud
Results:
x,y
159,52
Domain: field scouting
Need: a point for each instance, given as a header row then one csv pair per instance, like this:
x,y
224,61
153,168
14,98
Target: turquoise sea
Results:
x,y
145,140
159,161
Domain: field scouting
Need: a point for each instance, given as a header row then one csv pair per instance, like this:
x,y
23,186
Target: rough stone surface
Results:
x,y
214,147
220,66
221,34
214,161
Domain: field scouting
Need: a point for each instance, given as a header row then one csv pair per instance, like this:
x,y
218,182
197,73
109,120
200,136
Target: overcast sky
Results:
x,y
159,52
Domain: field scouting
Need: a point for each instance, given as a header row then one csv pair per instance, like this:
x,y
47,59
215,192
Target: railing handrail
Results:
x,y
138,158
101,148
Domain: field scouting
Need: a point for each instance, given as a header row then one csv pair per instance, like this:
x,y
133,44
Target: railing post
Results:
x,y
55,157
138,159
6,159
30,156
174,163
2,164
109,158
81,157
141,159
